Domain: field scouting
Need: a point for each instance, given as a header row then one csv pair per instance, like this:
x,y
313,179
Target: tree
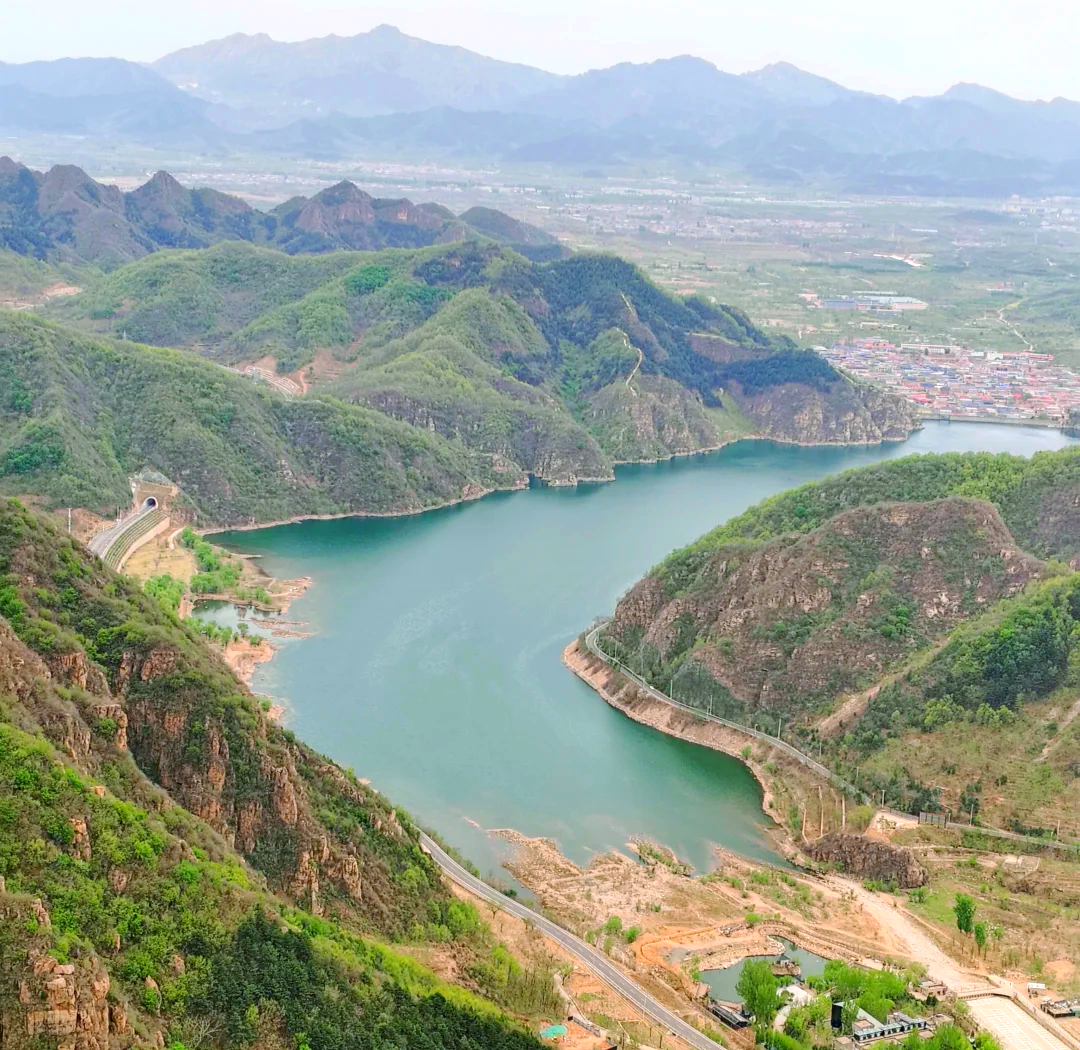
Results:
x,y
964,909
980,931
757,988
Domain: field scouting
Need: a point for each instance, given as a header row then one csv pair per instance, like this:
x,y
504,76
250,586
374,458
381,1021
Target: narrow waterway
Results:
x,y
434,664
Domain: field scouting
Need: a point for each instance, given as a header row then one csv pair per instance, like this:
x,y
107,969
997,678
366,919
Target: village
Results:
x,y
949,381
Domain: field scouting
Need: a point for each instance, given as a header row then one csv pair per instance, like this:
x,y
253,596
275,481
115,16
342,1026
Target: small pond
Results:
x,y
722,982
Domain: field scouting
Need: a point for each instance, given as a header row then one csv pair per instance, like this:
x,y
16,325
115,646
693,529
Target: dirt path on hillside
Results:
x,y
918,943
854,707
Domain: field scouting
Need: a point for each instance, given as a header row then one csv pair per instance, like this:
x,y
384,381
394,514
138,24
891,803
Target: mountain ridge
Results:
x,y
432,375
385,94
63,214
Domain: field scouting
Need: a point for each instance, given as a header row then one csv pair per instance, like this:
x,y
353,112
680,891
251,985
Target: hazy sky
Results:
x,y
919,47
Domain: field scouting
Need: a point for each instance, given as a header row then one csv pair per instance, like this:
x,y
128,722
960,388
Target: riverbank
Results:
x,y
789,790
243,655
474,493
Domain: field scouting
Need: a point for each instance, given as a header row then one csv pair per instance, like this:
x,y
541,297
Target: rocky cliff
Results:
x,y
867,858
845,413
173,868
792,623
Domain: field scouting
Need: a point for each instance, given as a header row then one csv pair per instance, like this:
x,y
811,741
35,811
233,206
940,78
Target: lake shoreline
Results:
x,y
479,494
597,676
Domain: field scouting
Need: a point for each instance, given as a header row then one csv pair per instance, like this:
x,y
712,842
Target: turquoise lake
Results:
x,y
433,667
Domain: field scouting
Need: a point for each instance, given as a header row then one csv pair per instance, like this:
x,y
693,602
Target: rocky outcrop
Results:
x,y
847,413
801,619
868,858
63,1005
76,668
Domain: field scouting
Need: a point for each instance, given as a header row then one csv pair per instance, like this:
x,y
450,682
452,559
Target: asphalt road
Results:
x,y
596,962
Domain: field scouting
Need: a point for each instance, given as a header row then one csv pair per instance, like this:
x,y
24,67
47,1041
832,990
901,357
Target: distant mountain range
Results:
x,y
63,214
383,94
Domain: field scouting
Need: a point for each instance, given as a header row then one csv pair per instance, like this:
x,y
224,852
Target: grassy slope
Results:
x,y
140,886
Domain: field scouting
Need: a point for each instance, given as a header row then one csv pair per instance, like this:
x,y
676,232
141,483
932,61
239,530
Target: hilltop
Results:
x,y
885,615
430,375
173,863
63,215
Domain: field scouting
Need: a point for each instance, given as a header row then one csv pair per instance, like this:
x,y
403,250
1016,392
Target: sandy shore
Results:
x,y
243,655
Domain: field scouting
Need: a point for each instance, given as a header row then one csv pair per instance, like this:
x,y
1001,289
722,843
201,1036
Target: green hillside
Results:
x,y
78,415
558,368
885,615
1036,497
173,863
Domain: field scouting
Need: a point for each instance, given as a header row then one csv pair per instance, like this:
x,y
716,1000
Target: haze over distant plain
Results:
x,y
1025,50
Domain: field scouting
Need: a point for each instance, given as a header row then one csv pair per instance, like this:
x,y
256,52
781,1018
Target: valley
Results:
x,y
512,555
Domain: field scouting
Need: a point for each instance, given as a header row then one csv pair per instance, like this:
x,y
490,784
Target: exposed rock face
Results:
x,y
869,859
19,666
846,414
536,439
802,618
651,418
75,668
64,1004
80,843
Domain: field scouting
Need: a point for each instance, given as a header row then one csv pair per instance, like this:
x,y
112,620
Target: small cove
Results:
x,y
433,666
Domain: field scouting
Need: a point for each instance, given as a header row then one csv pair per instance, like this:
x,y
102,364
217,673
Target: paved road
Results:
x,y
1014,1029
596,962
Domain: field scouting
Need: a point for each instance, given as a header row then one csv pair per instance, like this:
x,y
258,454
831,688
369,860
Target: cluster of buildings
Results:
x,y
865,1028
956,382
875,303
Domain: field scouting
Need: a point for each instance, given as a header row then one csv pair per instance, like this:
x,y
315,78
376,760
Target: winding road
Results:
x,y
596,962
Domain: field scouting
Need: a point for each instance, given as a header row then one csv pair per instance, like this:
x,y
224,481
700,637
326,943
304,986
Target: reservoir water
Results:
x,y
434,667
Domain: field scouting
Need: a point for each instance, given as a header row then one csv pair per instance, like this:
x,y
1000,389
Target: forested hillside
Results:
x,y
879,611
176,869
498,365
79,415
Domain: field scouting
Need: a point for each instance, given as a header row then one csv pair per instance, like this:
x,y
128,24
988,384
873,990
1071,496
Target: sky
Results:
x,y
919,47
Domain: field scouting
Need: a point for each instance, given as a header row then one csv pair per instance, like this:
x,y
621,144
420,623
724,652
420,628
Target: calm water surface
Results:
x,y
722,982
434,664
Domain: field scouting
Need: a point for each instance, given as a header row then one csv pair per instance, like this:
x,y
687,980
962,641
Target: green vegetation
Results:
x,y
218,574
1020,488
1019,652
757,988
525,361
166,590
144,889
102,411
